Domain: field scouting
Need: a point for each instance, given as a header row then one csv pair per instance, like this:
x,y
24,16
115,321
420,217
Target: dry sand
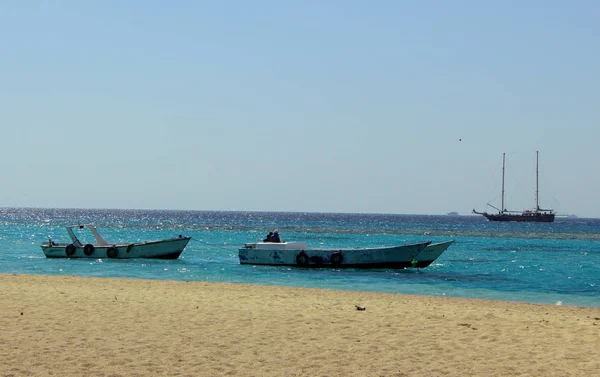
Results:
x,y
72,326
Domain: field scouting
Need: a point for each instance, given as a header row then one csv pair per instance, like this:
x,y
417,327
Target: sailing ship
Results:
x,y
536,215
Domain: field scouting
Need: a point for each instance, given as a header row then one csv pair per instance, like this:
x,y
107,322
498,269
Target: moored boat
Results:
x,y
298,254
169,248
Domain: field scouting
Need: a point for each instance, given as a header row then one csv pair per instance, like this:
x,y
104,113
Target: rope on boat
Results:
x,y
216,245
414,261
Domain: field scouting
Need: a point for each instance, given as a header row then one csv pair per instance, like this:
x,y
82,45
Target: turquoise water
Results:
x,y
557,263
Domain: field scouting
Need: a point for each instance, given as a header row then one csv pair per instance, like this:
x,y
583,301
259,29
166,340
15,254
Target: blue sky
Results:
x,y
320,106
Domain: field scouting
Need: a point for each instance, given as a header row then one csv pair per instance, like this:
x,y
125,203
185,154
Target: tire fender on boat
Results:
x,y
112,252
89,249
336,258
129,247
70,249
302,259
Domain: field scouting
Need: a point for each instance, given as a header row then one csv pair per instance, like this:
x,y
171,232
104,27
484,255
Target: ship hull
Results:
x,y
530,218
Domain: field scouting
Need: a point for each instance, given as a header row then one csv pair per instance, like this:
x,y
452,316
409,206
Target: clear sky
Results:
x,y
319,106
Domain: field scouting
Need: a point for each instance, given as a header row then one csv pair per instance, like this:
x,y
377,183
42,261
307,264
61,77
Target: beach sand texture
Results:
x,y
73,326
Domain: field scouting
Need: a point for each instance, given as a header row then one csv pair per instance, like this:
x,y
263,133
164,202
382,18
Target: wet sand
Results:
x,y
73,326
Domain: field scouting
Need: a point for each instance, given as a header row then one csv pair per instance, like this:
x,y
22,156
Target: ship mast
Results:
x,y
537,195
502,208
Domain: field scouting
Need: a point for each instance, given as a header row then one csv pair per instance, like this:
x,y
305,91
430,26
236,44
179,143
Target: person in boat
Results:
x,y
275,237
269,237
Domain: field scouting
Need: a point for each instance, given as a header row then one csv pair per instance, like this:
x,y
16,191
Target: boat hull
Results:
x,y
533,218
163,249
415,255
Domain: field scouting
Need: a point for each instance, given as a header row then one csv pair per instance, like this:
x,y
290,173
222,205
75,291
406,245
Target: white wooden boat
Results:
x,y
164,249
298,254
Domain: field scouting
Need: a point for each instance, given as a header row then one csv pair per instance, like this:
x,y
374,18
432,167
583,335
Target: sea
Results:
x,y
544,263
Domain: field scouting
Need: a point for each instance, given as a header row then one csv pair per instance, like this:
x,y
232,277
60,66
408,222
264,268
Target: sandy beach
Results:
x,y
73,326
